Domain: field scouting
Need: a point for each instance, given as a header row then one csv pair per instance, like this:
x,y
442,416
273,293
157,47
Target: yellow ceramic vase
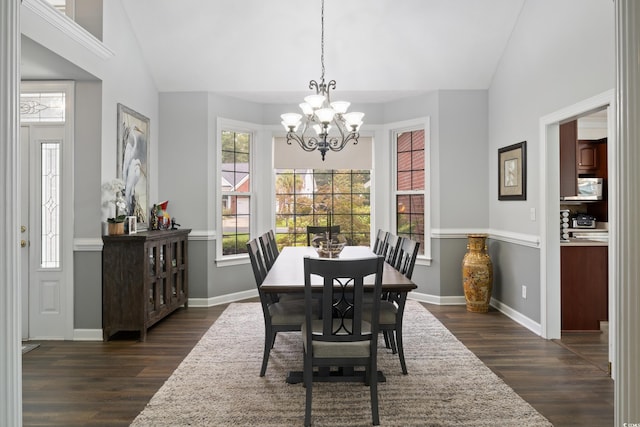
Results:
x,y
477,274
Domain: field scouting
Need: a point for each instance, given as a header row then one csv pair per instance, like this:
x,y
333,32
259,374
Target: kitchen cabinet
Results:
x,y
584,294
144,279
587,156
568,170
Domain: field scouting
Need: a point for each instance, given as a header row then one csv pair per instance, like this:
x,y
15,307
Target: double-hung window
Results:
x,y
235,190
411,204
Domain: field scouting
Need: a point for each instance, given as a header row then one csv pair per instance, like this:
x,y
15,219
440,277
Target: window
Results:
x,y
50,204
235,186
42,107
304,196
410,182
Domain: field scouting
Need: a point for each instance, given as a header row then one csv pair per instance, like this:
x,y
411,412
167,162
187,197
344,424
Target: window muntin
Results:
x,y
410,185
304,196
235,186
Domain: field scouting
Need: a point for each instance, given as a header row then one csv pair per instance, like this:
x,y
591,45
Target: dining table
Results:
x,y
287,276
287,273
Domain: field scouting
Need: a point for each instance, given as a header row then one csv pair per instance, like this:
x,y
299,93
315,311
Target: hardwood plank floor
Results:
x,y
108,384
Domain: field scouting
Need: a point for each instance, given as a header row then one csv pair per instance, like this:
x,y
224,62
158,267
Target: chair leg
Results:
x,y
385,334
308,384
373,387
392,342
269,338
403,364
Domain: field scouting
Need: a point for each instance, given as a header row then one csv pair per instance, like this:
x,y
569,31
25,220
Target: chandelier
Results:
x,y
322,115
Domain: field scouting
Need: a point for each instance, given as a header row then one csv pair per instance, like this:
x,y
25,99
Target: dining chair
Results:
x,y
392,305
279,316
381,238
341,337
269,251
390,248
314,230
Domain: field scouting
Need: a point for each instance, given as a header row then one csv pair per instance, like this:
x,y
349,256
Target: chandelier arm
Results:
x,y
309,144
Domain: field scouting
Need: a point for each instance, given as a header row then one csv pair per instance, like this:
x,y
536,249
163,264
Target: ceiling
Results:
x,y
267,50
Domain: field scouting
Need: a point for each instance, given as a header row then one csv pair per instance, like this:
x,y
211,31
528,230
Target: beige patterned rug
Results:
x,y
218,383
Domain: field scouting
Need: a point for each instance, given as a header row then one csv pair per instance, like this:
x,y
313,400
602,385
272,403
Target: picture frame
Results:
x,y
130,225
132,162
512,172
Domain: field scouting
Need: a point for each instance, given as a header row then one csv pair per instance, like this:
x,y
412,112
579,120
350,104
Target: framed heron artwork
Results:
x,y
133,154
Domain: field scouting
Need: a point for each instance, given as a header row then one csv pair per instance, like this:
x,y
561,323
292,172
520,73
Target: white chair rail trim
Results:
x,y
528,240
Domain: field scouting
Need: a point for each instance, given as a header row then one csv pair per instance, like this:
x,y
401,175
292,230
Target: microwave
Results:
x,y
588,189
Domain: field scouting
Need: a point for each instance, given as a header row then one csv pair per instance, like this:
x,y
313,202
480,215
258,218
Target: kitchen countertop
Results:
x,y
583,242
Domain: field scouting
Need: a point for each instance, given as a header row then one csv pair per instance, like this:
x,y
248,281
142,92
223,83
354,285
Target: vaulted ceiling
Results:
x,y
267,50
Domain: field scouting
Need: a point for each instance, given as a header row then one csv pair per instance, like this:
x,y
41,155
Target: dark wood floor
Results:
x,y
108,384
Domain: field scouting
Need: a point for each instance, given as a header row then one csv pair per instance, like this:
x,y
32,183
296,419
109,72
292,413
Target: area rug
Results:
x,y
218,383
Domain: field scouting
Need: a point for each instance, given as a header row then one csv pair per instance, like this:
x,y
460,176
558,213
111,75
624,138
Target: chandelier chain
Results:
x,y
322,40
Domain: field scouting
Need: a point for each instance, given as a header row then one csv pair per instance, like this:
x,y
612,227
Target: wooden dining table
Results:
x,y
287,273
287,276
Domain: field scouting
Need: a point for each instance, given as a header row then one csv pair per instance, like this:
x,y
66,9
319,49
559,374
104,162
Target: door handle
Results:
x,y
23,243
23,228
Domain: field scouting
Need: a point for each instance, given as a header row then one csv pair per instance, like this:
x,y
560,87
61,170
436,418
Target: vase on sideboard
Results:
x,y
477,274
116,228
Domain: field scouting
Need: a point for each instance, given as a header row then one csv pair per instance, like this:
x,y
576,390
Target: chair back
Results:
x,y
406,258
313,230
390,250
268,250
381,238
342,298
274,246
257,262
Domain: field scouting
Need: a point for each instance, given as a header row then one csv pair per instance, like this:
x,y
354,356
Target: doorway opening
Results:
x,y
550,276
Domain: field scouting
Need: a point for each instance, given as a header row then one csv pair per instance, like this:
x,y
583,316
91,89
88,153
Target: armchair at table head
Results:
x,y
341,337
313,231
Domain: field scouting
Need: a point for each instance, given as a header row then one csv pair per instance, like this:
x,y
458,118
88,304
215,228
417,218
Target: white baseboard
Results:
x,y
512,314
223,299
517,317
438,300
87,334
536,328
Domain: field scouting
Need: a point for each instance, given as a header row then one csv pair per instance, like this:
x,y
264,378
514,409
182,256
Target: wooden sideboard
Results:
x,y
144,279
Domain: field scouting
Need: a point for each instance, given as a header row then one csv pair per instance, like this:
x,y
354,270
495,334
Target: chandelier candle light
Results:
x,y
319,113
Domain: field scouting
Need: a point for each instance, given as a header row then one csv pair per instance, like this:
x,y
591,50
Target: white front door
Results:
x,y
46,280
46,115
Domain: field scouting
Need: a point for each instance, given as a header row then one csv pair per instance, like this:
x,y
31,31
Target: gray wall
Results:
x,y
560,53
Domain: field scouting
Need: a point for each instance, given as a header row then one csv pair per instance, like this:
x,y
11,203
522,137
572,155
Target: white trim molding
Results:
x,y
528,240
626,361
68,27
10,275
202,235
223,299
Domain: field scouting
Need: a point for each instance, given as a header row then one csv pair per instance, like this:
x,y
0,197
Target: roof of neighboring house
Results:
x,y
239,171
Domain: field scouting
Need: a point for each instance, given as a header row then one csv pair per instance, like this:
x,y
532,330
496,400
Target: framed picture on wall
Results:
x,y
512,172
132,164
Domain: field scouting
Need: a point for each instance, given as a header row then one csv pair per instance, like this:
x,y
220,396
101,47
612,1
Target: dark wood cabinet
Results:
x,y
587,157
144,279
568,164
584,295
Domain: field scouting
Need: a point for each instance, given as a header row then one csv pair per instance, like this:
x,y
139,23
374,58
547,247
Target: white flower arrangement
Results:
x,y
115,191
